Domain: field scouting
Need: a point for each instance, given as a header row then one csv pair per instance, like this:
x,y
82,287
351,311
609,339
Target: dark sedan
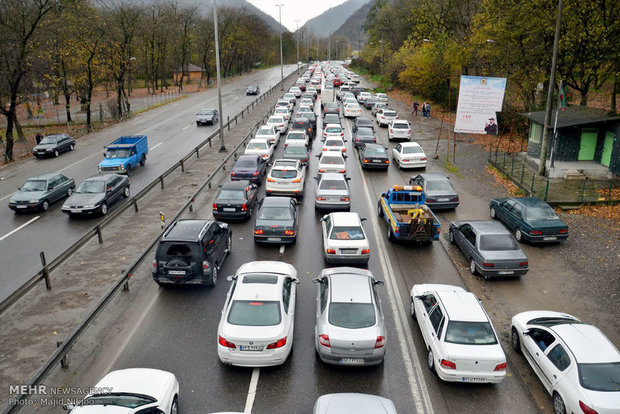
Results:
x,y
39,192
96,194
297,152
276,221
53,145
362,121
489,247
531,219
370,102
305,124
332,119
331,108
374,156
207,117
252,90
438,191
363,136
249,167
235,200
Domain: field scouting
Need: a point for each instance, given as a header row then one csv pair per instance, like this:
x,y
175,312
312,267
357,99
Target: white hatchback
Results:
x,y
270,133
286,179
284,112
279,122
260,147
332,162
258,319
297,136
399,129
296,91
386,116
344,239
333,131
306,102
461,342
334,144
409,155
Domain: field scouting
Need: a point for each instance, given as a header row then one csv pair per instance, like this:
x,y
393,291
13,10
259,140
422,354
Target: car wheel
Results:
x,y
379,209
518,234
431,360
71,147
128,169
514,340
451,236
472,266
104,209
69,192
143,160
174,408
229,244
391,235
45,205
558,404
213,281
126,192
492,212
412,308
197,123
56,153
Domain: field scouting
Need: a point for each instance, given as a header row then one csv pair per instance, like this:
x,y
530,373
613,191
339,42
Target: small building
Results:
x,y
587,141
190,72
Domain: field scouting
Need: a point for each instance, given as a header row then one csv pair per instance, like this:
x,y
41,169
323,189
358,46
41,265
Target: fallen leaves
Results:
x,y
513,190
609,212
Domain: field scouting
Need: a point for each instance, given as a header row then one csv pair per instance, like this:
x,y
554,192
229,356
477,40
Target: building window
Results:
x,y
535,132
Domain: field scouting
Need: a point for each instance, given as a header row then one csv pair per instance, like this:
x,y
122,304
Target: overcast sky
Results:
x,y
302,10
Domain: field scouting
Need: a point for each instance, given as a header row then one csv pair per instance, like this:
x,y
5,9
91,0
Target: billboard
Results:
x,y
479,99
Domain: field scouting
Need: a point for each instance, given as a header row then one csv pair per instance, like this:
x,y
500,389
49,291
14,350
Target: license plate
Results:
x,y
376,161
176,272
250,347
550,238
21,206
443,199
76,211
229,209
348,251
352,360
473,379
506,272
273,239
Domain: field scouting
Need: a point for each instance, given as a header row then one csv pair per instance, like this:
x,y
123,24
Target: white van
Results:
x,y
355,78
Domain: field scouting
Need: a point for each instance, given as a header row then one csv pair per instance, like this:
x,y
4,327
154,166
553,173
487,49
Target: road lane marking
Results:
x,y
249,401
186,127
76,163
155,146
282,247
19,228
10,195
415,377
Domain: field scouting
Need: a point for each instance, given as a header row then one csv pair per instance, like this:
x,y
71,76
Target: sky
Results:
x,y
302,10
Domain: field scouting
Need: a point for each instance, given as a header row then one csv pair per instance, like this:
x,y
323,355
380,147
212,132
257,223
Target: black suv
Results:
x,y
192,252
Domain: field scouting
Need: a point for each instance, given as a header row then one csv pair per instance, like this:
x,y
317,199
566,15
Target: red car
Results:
x,y
301,86
337,81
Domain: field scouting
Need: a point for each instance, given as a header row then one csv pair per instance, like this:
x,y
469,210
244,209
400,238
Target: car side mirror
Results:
x,y
108,189
49,187
295,280
348,178
219,186
68,407
378,282
317,280
363,219
231,278
527,332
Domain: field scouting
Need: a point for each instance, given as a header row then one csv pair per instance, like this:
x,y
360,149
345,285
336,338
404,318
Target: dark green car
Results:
x,y
39,192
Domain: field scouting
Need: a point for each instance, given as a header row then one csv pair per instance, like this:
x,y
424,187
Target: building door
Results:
x,y
607,149
588,144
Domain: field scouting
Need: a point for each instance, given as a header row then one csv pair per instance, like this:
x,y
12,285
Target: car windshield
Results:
x,y
257,146
284,173
117,153
50,139
438,185
470,333
206,112
91,187
498,242
34,185
347,233
351,315
232,195
540,213
412,150
332,160
254,313
126,400
245,163
600,377
373,152
276,213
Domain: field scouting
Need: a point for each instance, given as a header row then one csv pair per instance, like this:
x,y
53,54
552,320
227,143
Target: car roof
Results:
x,y
276,201
100,177
345,219
484,227
45,176
400,121
248,157
235,185
261,140
333,126
372,145
349,284
186,230
462,306
587,343
254,290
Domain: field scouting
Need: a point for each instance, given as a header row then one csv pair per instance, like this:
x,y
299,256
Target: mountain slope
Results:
x,y
330,20
352,27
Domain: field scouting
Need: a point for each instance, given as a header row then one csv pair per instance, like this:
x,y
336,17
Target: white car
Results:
x,y
377,106
286,179
268,132
296,91
282,111
305,111
460,339
334,144
381,97
333,130
355,78
332,162
297,136
352,110
386,116
399,129
575,361
279,122
409,155
285,103
349,101
258,319
290,96
260,147
344,239
362,96
306,102
125,390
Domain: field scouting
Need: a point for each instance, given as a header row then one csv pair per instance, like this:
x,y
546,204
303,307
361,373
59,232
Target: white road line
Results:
x,y
19,228
155,146
235,98
282,247
405,338
249,401
10,195
82,160
186,127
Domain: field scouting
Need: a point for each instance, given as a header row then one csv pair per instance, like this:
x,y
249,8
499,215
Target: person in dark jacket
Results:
x,y
38,138
491,127
415,108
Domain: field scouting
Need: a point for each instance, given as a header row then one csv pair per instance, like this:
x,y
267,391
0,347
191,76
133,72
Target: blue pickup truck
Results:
x,y
404,209
124,154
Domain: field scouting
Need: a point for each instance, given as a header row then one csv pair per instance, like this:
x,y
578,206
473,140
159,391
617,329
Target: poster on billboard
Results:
x,y
479,99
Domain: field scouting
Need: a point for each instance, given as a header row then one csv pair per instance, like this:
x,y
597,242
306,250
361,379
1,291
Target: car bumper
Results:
x,y
275,239
375,166
440,205
253,359
182,280
204,122
332,205
290,191
253,179
349,258
81,211
43,153
400,137
450,375
230,215
412,164
351,360
25,207
502,272
545,238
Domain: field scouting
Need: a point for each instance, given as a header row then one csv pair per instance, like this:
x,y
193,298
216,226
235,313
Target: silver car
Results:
x,y
353,403
349,326
332,192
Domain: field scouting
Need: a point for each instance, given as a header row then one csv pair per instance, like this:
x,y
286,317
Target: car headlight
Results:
x,y
12,202
90,206
48,150
33,201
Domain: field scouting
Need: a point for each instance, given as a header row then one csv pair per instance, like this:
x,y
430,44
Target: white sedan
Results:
x,y
306,102
344,239
332,162
282,111
279,122
296,91
334,144
352,110
286,178
333,131
461,342
399,129
409,155
386,116
133,390
575,362
297,136
260,147
258,319
270,133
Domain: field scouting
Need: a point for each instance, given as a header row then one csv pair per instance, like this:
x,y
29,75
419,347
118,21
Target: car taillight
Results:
x,y
485,264
297,180
523,264
409,131
344,150
289,232
205,265
342,171
392,131
324,340
536,233
258,231
330,251
214,206
374,140
365,251
155,264
225,343
454,199
344,199
396,117
380,343
321,170
563,231
448,364
244,207
365,160
387,161
255,174
265,156
279,344
324,149
271,180
423,159
233,173
500,367
586,409
321,198
304,160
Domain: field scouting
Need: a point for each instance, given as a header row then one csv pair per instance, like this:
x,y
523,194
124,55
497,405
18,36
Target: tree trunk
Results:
x,y
614,93
68,106
10,116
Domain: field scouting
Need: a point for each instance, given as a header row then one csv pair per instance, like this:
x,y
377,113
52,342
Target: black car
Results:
x,y
96,194
297,152
53,145
374,156
438,191
235,200
276,221
192,252
39,192
307,113
249,167
252,90
207,117
304,124
362,121
332,119
362,136
331,108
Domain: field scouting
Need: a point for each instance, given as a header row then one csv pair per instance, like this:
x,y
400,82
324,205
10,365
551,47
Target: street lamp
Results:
x,y
219,83
279,6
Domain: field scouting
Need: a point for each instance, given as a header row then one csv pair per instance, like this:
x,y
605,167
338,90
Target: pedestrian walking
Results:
x,y
415,108
428,110
424,110
38,138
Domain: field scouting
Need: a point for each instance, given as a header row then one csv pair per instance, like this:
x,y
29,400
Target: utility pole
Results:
x,y
219,82
297,35
545,139
279,6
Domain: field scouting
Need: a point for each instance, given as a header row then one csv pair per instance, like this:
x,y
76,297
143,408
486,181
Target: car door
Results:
x,y
118,187
250,195
504,207
436,322
55,189
288,303
208,246
424,305
536,343
514,216
459,236
556,362
396,152
326,224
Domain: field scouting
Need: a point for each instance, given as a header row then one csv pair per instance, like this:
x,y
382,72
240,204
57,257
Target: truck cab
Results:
x,y
124,154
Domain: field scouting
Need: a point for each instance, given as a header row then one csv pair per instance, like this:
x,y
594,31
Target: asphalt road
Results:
x,y
176,329
172,133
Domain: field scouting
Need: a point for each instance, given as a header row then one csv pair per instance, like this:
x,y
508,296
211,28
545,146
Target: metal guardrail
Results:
x,y
61,352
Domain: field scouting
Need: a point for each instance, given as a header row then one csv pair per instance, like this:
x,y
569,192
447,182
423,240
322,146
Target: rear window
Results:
x,y
254,313
347,233
351,315
257,145
412,150
334,143
332,160
276,213
176,249
600,377
245,163
540,213
470,333
365,132
400,126
294,150
388,113
498,242
375,152
333,185
297,135
232,195
284,173
438,185
275,120
333,130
